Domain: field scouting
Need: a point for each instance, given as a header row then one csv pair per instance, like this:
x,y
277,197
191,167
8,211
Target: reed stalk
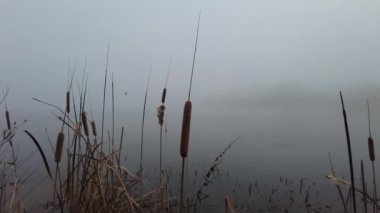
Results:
x,y
363,187
349,153
371,149
161,116
113,111
142,132
104,97
185,133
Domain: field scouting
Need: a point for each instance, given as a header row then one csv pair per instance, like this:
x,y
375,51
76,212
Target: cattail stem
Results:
x,y
142,132
113,114
58,156
161,162
121,144
371,149
183,208
374,186
363,187
104,97
349,154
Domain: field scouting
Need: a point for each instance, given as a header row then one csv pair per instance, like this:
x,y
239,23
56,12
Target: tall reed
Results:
x,y
104,96
371,149
184,148
15,200
142,132
363,187
349,153
161,115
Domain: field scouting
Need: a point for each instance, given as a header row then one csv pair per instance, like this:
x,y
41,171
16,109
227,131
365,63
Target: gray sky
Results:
x,y
244,46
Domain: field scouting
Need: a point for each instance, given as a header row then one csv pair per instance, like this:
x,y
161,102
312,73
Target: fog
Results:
x,y
270,71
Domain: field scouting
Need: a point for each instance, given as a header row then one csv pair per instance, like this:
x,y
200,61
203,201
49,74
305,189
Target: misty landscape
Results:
x,y
201,106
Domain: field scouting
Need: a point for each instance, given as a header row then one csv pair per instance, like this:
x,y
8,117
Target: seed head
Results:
x,y
59,146
7,116
85,125
93,128
371,149
160,114
68,102
185,129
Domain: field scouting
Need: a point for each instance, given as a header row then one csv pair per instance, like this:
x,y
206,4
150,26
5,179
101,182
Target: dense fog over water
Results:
x,y
270,71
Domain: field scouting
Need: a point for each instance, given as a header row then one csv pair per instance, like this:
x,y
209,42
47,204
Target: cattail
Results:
x,y
163,96
59,146
68,102
85,125
185,129
8,119
160,114
93,128
371,149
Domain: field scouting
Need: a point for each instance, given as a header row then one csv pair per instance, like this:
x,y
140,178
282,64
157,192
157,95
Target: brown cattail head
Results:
x,y
59,146
93,128
160,114
185,129
8,119
84,121
163,96
68,102
371,149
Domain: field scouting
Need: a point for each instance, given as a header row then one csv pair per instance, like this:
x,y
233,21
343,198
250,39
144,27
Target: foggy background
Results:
x,y
268,70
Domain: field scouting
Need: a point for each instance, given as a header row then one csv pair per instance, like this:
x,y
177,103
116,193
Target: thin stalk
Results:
x,y
2,187
363,187
186,129
349,154
104,97
169,69
120,145
142,132
374,184
369,120
161,114
161,162
183,182
59,194
113,114
70,80
195,51
372,155
113,126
